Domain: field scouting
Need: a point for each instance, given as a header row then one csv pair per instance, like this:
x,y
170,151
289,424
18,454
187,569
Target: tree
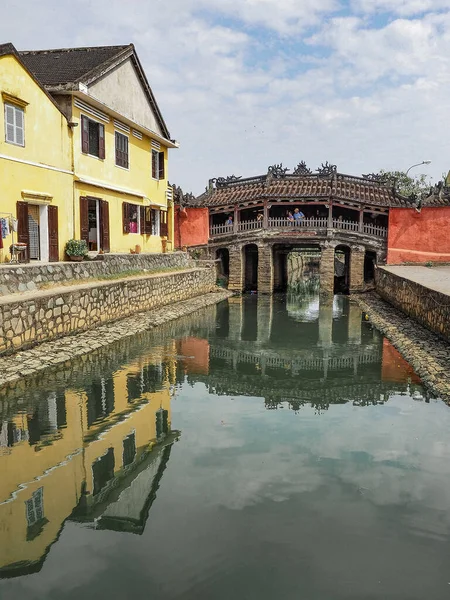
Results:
x,y
406,185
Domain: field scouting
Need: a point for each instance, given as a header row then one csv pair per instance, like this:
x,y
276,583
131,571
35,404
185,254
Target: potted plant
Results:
x,y
76,249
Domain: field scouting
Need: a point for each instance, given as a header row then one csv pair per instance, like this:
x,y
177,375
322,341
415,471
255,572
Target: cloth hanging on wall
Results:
x,y
14,224
4,226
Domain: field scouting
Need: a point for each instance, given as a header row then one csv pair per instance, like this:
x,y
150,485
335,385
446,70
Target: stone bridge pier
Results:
x,y
262,266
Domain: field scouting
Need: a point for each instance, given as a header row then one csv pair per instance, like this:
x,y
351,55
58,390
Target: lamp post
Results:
x,y
424,162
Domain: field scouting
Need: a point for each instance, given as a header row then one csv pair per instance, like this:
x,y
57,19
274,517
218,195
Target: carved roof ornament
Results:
x,y
378,177
223,181
277,171
327,169
302,170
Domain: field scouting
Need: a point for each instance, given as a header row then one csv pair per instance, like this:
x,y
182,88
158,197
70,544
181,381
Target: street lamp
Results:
x,y
424,162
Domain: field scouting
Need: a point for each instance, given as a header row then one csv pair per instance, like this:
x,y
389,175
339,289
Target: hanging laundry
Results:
x,y
14,224
4,226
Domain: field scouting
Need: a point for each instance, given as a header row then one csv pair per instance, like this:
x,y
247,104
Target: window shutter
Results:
x,y
148,221
154,164
118,153
18,112
101,141
84,219
104,226
125,151
53,233
161,165
126,217
164,230
142,220
9,121
84,134
23,234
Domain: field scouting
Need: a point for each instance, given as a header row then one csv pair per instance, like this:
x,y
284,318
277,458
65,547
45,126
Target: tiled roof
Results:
x,y
311,187
69,65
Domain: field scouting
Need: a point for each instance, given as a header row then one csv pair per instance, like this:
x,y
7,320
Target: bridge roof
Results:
x,y
304,185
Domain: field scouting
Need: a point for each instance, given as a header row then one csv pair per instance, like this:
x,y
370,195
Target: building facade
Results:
x,y
107,137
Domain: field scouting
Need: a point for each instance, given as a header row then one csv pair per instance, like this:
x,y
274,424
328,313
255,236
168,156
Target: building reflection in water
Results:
x,y
91,442
95,454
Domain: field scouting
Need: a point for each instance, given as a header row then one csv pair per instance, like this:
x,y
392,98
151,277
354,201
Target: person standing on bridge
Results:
x,y
298,215
229,221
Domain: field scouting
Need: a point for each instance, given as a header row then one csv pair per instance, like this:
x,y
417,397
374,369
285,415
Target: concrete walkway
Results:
x,y
435,278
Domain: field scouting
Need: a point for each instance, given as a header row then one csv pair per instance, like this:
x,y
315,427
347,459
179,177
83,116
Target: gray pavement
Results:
x,y
435,278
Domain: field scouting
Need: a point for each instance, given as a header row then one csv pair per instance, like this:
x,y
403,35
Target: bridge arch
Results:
x,y
223,265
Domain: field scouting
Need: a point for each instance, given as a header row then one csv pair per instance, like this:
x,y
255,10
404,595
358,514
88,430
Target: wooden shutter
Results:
x,y
163,228
84,220
84,134
154,164
104,226
126,217
101,141
53,233
142,219
23,235
161,165
147,220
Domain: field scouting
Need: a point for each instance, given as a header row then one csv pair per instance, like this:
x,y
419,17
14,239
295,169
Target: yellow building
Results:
x,y
70,454
112,147
35,163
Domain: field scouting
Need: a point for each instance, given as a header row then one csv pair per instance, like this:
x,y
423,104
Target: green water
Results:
x,y
261,449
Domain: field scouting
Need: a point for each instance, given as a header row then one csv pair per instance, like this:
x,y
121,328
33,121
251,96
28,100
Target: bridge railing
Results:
x,y
281,222
249,225
376,230
313,223
220,229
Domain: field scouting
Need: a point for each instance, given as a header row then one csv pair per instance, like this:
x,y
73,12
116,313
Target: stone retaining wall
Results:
x,y
428,307
55,313
27,277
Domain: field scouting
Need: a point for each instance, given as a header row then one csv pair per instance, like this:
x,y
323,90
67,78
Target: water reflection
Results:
x,y
93,453
88,445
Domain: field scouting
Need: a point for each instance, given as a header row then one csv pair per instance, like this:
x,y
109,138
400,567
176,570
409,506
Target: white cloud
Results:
x,y
244,84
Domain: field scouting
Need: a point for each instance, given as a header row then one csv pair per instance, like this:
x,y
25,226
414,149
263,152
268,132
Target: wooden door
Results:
x,y
53,245
23,234
84,219
104,226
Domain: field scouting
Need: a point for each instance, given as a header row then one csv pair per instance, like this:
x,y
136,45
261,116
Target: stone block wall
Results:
x,y
428,307
357,268
28,277
25,322
327,271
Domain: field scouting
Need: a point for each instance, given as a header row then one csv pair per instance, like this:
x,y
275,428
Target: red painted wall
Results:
x,y
394,366
419,237
191,226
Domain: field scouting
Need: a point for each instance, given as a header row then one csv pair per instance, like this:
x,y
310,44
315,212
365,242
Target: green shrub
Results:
x,y
76,248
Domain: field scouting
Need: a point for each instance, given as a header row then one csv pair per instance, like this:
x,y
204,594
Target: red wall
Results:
x,y
191,226
419,237
394,366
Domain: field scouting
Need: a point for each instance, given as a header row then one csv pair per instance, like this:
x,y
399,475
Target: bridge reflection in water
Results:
x,y
90,443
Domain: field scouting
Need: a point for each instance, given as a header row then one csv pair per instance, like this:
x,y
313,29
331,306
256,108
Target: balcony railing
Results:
x,y
304,224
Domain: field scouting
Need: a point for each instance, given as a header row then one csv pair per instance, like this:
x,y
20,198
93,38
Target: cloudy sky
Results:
x,y
244,84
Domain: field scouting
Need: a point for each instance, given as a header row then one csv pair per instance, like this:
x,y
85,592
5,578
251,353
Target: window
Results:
x,y
35,507
92,137
155,221
157,164
131,220
121,150
129,449
14,125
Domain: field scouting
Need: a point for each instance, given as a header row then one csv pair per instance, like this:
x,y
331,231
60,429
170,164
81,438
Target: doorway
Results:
x,y
38,229
94,223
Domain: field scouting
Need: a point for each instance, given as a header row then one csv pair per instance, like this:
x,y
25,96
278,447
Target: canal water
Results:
x,y
265,448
